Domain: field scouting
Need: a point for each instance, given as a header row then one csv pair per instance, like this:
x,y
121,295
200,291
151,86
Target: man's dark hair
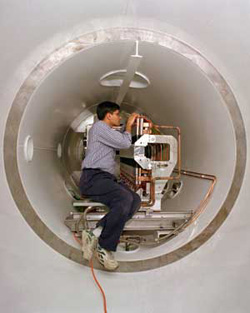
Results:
x,y
106,107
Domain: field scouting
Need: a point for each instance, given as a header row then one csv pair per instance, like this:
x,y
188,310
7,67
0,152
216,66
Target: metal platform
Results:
x,y
86,202
141,221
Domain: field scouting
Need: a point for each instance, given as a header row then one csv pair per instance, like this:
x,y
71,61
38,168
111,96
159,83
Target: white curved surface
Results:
x,y
34,278
179,94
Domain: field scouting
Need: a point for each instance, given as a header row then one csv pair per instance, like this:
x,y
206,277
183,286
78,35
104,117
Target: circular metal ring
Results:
x,y
68,50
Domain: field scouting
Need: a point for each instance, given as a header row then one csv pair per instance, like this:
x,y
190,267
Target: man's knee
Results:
x,y
126,198
137,198
133,205
126,201
136,204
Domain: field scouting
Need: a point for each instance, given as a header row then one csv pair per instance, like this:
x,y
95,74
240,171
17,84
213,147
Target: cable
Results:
x,y
95,279
76,239
99,286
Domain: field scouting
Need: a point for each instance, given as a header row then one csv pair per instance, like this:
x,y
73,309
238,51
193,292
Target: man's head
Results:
x,y
109,112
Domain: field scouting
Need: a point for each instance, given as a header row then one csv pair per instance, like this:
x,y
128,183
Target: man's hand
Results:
x,y
131,121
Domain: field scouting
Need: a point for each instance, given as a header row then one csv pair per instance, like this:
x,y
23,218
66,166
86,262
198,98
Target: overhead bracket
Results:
x,y
133,65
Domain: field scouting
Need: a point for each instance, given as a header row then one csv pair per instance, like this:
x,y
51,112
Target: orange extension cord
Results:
x,y
95,279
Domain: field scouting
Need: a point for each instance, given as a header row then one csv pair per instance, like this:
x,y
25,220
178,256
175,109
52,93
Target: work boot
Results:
x,y
89,242
106,258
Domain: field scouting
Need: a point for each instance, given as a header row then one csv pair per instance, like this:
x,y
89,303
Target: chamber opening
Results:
x,y
151,167
191,105
180,93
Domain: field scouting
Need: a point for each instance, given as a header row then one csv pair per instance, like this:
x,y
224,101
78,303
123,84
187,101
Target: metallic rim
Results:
x,y
59,56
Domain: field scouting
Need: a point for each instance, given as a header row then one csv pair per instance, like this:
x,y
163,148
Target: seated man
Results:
x,y
100,184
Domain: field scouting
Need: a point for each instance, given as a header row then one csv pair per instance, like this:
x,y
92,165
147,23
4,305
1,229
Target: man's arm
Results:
x,y
131,121
114,138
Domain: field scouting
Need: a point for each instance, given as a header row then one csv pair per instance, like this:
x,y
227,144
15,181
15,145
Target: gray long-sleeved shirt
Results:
x,y
103,141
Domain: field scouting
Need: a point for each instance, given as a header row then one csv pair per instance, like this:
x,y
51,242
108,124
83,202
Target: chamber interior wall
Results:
x,y
179,94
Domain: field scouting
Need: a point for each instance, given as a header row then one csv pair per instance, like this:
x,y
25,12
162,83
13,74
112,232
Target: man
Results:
x,y
100,184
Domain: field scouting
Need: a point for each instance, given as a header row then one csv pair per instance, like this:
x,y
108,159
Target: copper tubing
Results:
x,y
179,152
173,232
198,211
145,178
139,131
151,200
146,119
130,181
179,172
129,176
200,207
205,200
140,123
155,153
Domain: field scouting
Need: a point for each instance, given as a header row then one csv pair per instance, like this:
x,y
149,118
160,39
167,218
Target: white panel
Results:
x,y
44,186
68,91
215,278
